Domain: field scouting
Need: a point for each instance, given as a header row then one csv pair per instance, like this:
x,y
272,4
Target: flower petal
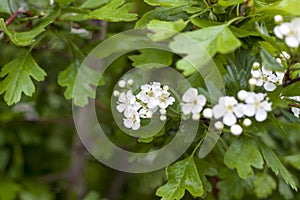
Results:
x,y
249,110
260,115
219,111
190,95
187,108
229,119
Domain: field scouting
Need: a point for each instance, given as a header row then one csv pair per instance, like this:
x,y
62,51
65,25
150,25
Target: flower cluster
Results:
x,y
229,111
151,98
290,32
264,77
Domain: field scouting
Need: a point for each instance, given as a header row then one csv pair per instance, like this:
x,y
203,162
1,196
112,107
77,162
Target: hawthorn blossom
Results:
x,y
132,120
266,78
229,109
236,129
256,105
193,103
127,101
290,32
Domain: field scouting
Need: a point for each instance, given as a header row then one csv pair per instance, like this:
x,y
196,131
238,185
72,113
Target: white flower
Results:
x,y
196,116
257,106
116,93
149,94
127,101
219,125
227,109
144,112
242,95
51,2
163,111
122,83
192,102
165,99
247,122
163,117
290,32
252,81
130,82
266,78
132,121
236,129
208,113
296,111
278,19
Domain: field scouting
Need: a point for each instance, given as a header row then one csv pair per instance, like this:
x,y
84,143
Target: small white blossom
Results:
x,y
247,122
266,78
257,106
51,2
127,101
132,121
196,116
236,129
227,109
219,125
278,19
122,83
163,111
252,81
116,93
165,99
130,82
208,113
242,95
192,102
290,32
163,117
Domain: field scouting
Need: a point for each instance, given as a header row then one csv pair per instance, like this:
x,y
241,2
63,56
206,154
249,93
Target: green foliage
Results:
x,y
17,78
28,37
40,157
182,176
276,165
242,155
114,11
264,185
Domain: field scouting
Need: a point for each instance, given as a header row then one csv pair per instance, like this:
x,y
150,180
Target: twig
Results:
x,y
13,16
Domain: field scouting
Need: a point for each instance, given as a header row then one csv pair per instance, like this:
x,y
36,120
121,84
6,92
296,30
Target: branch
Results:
x,y
14,15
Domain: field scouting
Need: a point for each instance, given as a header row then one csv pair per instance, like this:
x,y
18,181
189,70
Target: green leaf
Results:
x,y
27,38
151,56
212,40
230,2
293,160
4,7
269,62
242,154
162,30
93,3
63,3
18,76
182,176
79,90
292,90
288,7
114,11
9,190
276,165
264,185
230,185
163,14
170,3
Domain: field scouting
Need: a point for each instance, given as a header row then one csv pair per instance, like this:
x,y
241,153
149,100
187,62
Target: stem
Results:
x,y
290,81
11,18
198,145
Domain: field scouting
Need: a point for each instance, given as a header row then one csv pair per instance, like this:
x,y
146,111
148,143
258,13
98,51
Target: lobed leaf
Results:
x,y
242,155
182,176
18,76
28,37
